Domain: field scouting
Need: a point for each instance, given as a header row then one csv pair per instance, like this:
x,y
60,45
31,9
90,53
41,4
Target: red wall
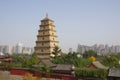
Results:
x,y
18,72
22,72
68,78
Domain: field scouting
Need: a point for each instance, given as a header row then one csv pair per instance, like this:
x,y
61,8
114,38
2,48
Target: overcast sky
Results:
x,y
85,22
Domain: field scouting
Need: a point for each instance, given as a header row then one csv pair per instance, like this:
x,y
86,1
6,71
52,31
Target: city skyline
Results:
x,y
19,48
100,49
77,22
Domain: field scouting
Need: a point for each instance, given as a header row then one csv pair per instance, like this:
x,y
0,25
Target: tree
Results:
x,y
56,51
118,55
94,73
111,61
46,69
30,61
89,53
18,58
71,58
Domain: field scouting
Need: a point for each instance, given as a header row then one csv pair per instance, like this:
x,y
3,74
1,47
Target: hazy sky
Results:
x,y
86,22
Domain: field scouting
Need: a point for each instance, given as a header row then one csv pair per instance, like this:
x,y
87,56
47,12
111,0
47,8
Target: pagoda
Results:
x,y
46,38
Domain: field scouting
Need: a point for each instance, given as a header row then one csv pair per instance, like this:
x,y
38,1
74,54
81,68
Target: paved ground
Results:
x,y
5,75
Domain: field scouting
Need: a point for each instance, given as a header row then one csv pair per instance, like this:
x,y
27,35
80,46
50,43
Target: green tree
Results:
x,y
89,53
46,69
111,61
30,61
91,73
118,55
71,58
17,60
56,51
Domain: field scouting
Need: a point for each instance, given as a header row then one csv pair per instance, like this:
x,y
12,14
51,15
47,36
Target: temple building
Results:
x,y
46,38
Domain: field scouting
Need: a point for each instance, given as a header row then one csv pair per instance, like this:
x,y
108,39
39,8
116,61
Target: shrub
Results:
x,y
91,73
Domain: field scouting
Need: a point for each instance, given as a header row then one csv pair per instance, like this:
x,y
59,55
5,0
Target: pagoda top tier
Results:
x,y
47,18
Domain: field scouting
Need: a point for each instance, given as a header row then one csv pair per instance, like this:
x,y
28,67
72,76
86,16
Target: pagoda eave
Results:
x,y
46,35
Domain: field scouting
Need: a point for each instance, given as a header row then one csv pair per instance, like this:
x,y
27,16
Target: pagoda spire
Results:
x,y
46,16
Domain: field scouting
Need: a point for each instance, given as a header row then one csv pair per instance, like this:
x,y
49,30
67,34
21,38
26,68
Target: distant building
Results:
x,y
100,49
27,50
46,38
70,50
4,49
18,48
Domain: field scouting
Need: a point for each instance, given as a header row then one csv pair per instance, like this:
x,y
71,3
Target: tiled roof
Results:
x,y
5,58
67,67
97,64
62,67
46,62
114,72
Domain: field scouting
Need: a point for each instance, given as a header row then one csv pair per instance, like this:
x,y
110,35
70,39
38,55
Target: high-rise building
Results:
x,y
18,48
70,50
100,49
4,49
27,50
46,38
